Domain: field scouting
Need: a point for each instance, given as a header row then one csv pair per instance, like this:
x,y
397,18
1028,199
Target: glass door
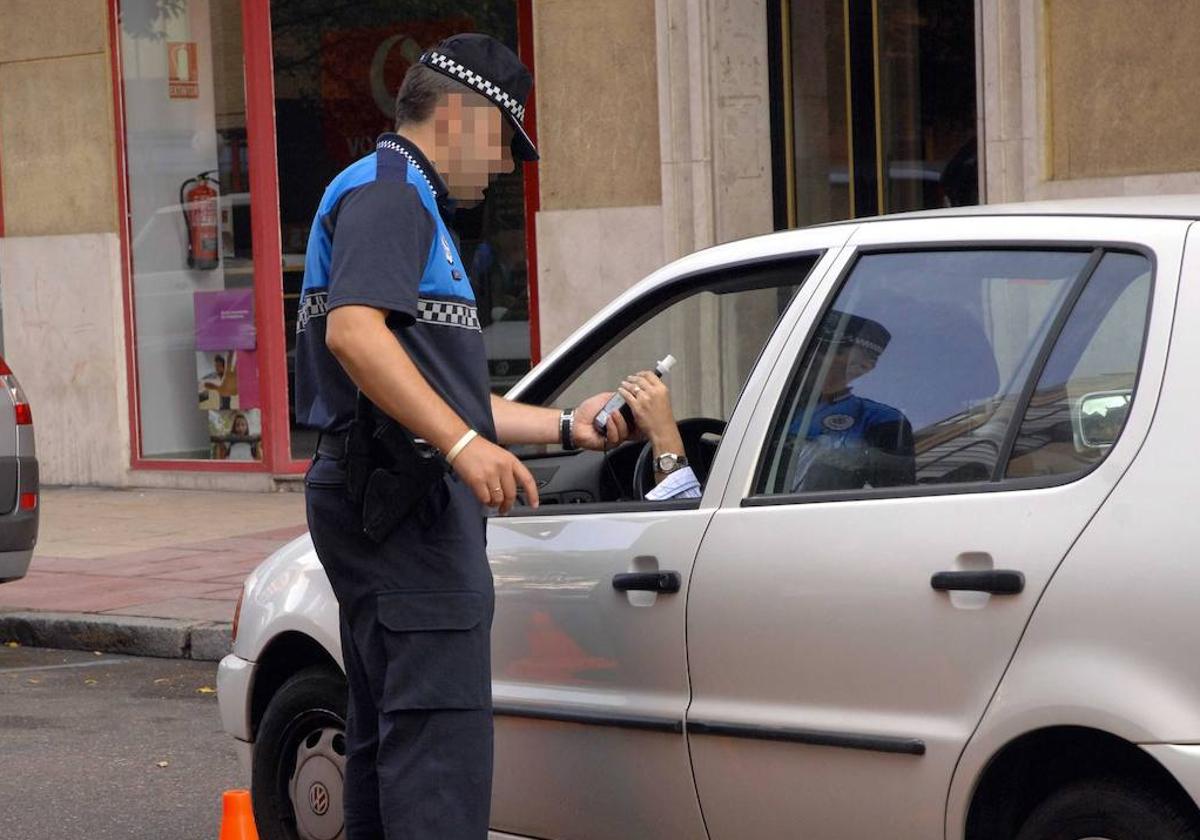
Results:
x,y
199,378
879,108
336,70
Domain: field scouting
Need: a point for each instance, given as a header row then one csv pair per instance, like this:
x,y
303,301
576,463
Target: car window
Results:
x,y
914,374
715,331
1083,395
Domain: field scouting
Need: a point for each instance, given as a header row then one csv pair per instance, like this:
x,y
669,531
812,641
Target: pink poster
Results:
x,y
225,320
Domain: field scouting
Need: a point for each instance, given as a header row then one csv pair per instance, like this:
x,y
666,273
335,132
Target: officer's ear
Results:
x,y
448,116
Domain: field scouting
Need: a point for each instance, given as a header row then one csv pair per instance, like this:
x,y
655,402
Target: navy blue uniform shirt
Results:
x,y
852,442
380,238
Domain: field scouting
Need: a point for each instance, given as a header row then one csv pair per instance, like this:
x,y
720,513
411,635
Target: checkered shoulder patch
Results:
x,y
312,305
448,313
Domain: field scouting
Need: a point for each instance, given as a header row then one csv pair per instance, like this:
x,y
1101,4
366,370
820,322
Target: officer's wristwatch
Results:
x,y
668,462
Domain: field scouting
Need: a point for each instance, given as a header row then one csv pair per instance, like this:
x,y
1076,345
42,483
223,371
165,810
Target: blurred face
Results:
x,y
219,365
847,363
859,362
241,427
474,144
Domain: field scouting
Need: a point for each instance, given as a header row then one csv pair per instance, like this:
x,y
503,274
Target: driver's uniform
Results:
x,y
849,443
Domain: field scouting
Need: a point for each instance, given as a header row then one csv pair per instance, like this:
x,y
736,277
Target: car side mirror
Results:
x,y
1101,416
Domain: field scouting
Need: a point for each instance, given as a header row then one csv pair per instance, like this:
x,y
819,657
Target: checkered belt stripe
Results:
x,y
491,91
448,314
313,305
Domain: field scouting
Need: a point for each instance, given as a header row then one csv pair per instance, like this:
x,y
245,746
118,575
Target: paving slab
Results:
x,y
148,572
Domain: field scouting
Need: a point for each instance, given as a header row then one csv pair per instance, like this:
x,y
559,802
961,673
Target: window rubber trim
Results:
x,y
629,506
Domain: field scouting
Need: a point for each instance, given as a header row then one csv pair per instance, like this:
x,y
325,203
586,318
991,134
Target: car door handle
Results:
x,y
647,582
995,581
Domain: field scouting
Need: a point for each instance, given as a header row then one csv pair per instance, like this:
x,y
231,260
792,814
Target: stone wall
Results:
x,y
57,156
1078,103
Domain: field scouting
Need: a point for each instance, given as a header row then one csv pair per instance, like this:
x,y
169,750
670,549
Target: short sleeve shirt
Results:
x,y
853,442
380,238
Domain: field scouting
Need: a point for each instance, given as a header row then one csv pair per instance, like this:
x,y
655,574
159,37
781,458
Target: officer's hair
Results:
x,y
420,93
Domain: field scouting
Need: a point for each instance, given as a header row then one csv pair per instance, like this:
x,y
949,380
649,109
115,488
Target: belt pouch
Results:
x,y
386,472
392,493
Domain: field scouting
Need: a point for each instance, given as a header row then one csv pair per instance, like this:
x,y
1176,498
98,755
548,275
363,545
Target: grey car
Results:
x,y
18,479
941,581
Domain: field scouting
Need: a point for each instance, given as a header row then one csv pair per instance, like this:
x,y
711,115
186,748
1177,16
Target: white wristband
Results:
x,y
468,436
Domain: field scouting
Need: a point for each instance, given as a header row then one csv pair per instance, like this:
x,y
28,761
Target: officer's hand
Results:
x,y
494,474
585,434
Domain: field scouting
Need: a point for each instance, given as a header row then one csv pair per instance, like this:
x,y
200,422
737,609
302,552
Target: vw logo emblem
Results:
x,y
318,799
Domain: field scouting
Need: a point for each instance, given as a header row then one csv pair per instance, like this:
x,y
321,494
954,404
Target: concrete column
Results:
x,y
715,116
64,332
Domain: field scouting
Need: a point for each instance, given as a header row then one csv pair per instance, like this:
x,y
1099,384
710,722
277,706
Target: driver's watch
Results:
x,y
668,462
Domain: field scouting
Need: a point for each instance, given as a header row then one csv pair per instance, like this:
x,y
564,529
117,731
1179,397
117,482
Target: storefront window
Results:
x,y
337,70
195,341
880,107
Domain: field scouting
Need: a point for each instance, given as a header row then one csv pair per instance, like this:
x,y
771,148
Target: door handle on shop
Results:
x,y
647,582
995,581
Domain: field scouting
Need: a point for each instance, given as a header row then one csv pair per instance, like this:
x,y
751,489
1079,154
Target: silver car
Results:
x,y
941,581
18,479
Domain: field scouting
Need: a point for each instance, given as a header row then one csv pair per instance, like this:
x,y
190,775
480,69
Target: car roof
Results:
x,y
1145,206
769,245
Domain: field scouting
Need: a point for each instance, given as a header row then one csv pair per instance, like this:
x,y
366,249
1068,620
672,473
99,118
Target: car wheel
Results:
x,y
299,759
1109,809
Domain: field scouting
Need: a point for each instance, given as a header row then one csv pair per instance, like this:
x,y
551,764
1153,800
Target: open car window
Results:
x,y
715,325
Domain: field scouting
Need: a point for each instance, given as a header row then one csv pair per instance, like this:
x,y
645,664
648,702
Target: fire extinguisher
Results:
x,y
198,200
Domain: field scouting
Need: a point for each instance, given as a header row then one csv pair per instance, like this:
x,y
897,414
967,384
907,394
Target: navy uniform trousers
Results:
x,y
416,614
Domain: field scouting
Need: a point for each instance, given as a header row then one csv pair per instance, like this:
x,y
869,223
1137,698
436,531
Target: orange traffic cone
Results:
x,y
237,817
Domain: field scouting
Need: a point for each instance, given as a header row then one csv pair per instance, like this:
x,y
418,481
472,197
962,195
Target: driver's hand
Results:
x,y
585,434
650,400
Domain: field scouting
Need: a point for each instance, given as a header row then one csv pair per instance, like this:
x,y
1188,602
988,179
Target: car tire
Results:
x,y
296,775
1109,809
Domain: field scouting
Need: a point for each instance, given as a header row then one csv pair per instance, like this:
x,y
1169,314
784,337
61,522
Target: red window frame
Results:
x,y
266,238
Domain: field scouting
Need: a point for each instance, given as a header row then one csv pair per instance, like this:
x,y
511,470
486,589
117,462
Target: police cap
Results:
x,y
493,70
840,329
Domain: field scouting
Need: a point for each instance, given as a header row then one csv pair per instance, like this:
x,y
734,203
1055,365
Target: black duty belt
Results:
x,y
332,445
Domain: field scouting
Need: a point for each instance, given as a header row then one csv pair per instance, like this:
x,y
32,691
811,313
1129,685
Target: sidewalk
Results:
x,y
144,571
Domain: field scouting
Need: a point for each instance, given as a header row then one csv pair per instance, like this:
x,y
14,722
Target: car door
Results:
x,y
891,522
590,683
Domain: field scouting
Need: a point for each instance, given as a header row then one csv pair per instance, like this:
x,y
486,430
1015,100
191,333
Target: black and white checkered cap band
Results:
x,y
448,314
470,77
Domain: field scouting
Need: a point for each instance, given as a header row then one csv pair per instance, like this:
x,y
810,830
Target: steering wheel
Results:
x,y
699,452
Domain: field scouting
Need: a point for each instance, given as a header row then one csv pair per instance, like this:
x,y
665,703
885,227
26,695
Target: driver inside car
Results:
x,y
843,441
650,401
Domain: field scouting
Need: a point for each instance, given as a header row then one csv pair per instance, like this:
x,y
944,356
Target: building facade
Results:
x,y
160,161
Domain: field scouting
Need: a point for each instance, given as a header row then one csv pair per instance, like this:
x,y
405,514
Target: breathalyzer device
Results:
x,y
617,403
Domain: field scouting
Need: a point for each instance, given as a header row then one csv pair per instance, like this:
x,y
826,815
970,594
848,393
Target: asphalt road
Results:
x,y
110,747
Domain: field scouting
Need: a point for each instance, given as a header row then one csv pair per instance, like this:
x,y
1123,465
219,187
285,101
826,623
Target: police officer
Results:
x,y
844,441
388,336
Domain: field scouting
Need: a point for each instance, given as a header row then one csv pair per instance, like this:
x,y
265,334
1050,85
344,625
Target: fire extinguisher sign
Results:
x,y
183,76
